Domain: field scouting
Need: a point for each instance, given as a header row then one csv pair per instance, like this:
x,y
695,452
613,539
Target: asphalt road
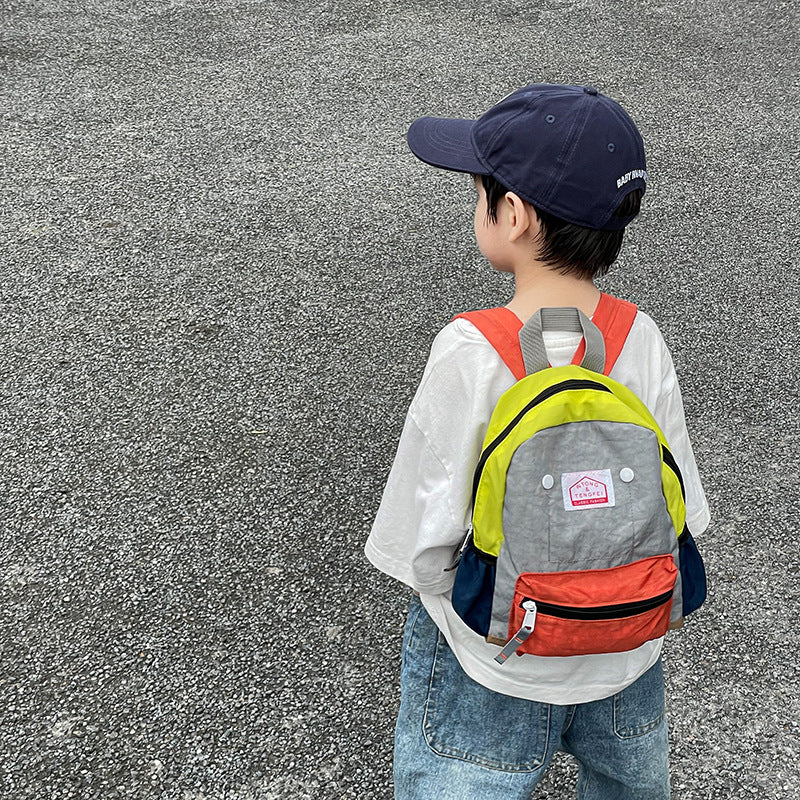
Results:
x,y
220,274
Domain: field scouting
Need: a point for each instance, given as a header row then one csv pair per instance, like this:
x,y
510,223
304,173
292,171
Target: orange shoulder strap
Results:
x,y
501,328
615,318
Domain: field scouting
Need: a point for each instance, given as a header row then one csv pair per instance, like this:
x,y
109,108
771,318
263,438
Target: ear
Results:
x,y
521,216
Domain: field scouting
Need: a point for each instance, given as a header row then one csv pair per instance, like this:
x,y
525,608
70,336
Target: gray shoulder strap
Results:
x,y
531,338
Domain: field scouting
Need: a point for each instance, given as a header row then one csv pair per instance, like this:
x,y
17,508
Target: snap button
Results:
x,y
626,474
548,481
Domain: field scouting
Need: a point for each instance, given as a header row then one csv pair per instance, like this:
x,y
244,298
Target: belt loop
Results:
x,y
568,719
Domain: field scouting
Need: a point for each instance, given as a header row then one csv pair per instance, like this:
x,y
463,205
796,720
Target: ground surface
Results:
x,y
221,271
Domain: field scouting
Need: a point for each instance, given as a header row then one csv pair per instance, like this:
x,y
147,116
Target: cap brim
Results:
x,y
445,143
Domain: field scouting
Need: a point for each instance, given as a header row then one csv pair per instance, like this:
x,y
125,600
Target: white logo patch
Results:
x,y
583,490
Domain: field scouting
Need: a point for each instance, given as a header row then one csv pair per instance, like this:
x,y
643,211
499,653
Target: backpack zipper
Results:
x,y
516,641
617,611
670,461
551,391
592,613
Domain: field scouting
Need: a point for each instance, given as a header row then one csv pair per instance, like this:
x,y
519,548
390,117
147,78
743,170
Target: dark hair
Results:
x,y
571,249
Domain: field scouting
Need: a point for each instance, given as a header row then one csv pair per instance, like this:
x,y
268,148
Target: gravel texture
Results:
x,y
221,272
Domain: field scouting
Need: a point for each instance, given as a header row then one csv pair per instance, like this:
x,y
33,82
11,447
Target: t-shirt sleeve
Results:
x,y
656,383
670,416
425,508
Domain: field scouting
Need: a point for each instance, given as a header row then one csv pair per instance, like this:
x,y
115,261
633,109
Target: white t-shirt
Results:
x,y
426,505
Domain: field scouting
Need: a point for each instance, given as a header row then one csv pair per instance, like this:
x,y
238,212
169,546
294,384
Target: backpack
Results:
x,y
578,543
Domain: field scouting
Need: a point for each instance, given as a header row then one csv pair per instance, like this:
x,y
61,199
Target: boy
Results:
x,y
559,172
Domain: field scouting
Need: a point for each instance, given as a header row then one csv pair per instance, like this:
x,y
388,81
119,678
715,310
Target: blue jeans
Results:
x,y
457,740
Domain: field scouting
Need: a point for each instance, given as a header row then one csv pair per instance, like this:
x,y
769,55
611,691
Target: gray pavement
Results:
x,y
221,271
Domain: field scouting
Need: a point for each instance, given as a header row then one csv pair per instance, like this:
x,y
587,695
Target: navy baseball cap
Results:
x,y
568,150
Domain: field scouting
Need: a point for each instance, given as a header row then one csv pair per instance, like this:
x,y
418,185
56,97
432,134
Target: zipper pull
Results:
x,y
515,642
460,552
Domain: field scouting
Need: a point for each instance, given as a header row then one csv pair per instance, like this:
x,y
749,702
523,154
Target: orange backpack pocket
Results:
x,y
581,612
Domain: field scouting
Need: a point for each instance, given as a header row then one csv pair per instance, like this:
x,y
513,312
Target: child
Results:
x,y
559,172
